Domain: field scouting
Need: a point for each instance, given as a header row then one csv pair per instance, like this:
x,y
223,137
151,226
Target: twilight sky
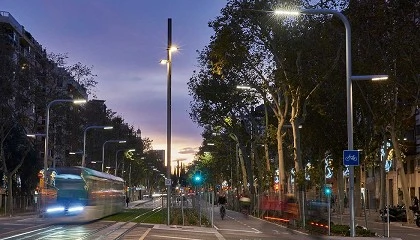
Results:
x,y
124,40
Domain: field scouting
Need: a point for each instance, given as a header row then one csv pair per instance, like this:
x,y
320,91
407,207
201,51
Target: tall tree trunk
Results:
x,y
383,194
266,141
297,156
357,192
280,151
9,201
243,168
340,191
401,173
252,166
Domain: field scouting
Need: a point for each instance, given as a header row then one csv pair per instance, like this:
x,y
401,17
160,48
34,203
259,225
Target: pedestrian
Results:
x,y
415,204
127,200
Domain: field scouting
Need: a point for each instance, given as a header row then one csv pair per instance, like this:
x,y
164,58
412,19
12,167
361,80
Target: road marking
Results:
x,y
238,230
220,236
165,236
145,234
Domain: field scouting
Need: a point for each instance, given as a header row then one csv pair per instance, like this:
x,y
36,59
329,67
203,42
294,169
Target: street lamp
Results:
x,y
35,135
168,61
75,153
84,139
116,159
47,123
349,79
103,149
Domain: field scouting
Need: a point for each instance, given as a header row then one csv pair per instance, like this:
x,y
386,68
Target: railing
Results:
x,y
21,204
7,17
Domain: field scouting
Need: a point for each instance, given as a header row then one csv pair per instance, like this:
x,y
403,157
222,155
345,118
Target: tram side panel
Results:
x,y
85,195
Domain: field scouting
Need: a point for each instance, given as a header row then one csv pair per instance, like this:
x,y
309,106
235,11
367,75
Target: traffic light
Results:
x,y
328,189
197,178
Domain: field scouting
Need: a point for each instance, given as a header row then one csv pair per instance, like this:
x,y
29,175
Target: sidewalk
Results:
x,y
137,203
371,216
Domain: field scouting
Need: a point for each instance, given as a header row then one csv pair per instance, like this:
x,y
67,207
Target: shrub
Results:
x,y
342,230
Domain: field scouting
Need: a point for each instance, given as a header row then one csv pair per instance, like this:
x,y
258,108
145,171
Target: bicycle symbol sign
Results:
x,y
351,157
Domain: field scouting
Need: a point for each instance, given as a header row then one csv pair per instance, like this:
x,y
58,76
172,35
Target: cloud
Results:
x,y
188,150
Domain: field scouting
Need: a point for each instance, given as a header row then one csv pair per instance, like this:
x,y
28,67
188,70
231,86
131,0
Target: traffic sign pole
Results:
x,y
351,159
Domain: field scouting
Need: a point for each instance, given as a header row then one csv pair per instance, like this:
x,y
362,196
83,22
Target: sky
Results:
x,y
124,40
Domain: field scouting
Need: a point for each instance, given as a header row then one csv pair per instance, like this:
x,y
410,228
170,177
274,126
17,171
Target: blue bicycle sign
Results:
x,y
351,157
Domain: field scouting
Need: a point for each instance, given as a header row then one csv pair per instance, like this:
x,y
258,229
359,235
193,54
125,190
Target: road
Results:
x,y
235,226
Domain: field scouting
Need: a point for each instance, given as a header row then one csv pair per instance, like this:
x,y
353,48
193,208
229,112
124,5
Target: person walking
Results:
x,y
222,202
127,200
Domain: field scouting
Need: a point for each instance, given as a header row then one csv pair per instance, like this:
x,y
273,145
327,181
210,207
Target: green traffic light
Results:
x,y
197,178
327,191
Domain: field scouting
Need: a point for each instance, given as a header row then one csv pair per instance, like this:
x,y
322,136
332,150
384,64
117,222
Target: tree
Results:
x,y
379,32
17,96
81,73
216,104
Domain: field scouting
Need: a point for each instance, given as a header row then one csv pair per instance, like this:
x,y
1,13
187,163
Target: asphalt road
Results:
x,y
235,226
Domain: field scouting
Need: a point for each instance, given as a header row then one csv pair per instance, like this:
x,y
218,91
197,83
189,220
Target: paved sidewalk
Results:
x,y
134,204
371,216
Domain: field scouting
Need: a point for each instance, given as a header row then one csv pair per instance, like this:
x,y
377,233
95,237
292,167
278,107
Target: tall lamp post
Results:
x,y
103,149
84,140
116,158
349,96
47,124
168,62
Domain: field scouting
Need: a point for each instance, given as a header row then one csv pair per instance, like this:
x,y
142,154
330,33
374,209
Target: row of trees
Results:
x,y
27,84
296,70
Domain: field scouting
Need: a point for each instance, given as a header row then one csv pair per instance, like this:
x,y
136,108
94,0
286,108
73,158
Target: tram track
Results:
x,y
127,224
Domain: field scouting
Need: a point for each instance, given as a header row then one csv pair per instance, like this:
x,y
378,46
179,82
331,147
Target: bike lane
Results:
x,y
236,225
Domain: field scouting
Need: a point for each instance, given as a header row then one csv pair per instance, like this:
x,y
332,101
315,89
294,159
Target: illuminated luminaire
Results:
x,y
380,78
79,101
34,135
369,77
284,12
243,87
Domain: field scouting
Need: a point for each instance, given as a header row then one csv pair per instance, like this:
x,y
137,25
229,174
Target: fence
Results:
x,y
265,206
21,204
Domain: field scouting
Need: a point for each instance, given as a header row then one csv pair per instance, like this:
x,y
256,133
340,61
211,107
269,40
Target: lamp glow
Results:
x,y
79,101
379,78
243,87
285,12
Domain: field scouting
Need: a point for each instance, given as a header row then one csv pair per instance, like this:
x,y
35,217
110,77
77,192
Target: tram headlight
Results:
x,y
75,209
55,209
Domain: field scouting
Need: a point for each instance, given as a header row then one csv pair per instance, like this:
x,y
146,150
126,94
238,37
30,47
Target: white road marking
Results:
x,y
238,230
164,236
145,234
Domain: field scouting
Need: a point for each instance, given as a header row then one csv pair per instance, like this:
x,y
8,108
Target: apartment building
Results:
x,y
52,80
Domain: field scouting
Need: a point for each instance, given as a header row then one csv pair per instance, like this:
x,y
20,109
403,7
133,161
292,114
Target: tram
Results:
x,y
79,194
